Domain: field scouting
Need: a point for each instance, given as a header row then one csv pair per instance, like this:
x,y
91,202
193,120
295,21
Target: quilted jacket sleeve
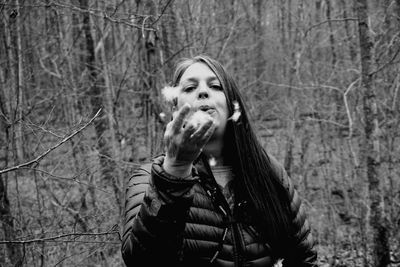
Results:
x,y
155,209
301,251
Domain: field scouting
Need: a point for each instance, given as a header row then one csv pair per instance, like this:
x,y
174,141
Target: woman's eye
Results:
x,y
216,87
188,89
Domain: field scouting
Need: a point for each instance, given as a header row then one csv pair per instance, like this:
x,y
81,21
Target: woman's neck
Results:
x,y
213,151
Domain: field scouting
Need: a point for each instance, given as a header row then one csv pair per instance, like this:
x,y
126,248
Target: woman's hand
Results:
x,y
185,138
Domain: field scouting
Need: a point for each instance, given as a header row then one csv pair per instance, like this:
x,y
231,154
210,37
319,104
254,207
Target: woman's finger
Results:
x,y
189,130
198,134
206,136
180,118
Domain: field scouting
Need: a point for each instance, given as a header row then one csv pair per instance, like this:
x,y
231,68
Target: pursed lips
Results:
x,y
206,108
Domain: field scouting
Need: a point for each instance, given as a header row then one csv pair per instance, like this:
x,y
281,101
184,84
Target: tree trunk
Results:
x,y
259,41
149,60
397,12
109,104
7,124
316,55
349,35
96,93
370,147
6,217
169,39
293,70
282,25
331,36
18,86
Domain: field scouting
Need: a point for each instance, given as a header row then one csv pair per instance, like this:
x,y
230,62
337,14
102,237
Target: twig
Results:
x,y
44,129
143,24
72,178
386,64
232,29
326,21
52,73
162,12
52,238
99,13
313,87
356,163
326,121
395,93
347,107
40,157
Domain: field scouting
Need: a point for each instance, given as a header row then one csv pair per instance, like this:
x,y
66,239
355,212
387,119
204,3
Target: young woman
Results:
x,y
216,198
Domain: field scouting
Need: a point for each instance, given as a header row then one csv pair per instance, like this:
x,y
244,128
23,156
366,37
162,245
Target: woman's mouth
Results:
x,y
207,109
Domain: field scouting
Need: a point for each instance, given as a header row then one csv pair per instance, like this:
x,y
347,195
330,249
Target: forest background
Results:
x,y
80,109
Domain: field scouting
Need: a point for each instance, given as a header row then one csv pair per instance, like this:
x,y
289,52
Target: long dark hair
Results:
x,y
250,162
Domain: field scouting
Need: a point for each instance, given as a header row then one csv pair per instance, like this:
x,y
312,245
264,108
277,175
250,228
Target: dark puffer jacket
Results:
x,y
175,222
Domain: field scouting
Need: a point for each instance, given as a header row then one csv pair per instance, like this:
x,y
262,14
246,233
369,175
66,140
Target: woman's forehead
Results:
x,y
198,71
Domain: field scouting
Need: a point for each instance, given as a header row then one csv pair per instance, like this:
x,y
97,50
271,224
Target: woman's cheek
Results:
x,y
184,98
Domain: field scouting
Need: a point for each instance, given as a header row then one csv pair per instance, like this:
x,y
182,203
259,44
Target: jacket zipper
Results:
x,y
238,243
239,246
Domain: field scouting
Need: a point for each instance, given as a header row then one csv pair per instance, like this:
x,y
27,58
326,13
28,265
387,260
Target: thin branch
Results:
x,y
327,21
53,238
326,121
103,15
350,126
347,107
144,23
162,12
313,87
396,90
386,64
52,73
232,29
71,179
43,129
40,157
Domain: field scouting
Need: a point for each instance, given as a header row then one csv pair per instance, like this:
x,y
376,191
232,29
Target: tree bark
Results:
x,y
293,70
370,147
149,60
259,41
282,25
110,108
96,94
169,38
331,36
7,124
349,35
18,87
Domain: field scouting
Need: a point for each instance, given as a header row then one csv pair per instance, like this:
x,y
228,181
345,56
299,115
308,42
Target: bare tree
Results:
x,y
96,94
370,147
10,121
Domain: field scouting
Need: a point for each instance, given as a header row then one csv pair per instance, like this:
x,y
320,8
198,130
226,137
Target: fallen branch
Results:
x,y
40,157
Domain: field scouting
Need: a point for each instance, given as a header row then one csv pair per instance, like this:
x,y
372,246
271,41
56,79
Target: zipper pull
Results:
x,y
223,210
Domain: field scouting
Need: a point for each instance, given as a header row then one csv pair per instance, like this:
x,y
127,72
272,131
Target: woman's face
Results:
x,y
201,89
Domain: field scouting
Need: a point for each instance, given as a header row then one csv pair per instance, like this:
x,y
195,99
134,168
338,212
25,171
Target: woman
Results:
x,y
216,198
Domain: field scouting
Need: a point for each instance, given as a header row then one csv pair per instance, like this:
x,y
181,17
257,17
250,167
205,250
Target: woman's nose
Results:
x,y
203,92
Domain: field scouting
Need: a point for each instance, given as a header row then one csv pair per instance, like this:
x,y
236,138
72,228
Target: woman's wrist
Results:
x,y
176,168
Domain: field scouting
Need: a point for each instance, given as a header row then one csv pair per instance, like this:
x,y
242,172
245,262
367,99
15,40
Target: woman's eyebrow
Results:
x,y
191,80
213,78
